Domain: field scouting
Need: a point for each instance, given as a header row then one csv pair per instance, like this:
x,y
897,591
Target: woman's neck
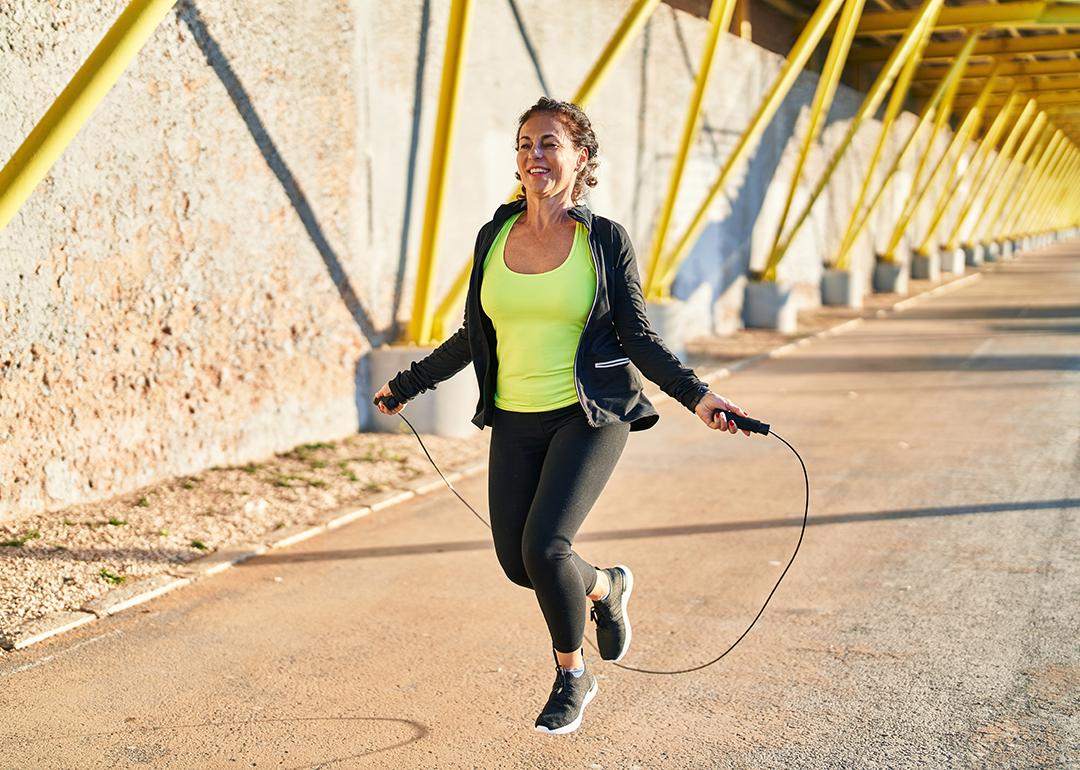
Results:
x,y
544,213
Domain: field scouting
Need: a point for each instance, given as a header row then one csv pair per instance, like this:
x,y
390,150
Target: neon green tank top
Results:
x,y
538,321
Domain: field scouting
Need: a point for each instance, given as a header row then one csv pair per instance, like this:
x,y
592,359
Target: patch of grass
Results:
x,y
316,446
199,544
20,540
280,525
143,502
374,486
350,475
163,532
284,479
69,523
250,469
316,464
115,522
317,483
188,484
111,577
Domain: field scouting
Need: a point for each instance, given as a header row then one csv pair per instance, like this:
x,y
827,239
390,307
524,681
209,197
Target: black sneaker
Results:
x,y
609,614
566,705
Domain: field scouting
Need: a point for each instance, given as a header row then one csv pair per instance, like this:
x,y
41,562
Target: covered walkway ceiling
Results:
x,y
1035,44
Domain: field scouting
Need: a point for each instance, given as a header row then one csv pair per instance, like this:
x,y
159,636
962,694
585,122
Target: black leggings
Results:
x,y
545,472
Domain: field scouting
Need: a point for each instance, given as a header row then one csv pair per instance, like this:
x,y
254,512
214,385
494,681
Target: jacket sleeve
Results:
x,y
641,343
440,364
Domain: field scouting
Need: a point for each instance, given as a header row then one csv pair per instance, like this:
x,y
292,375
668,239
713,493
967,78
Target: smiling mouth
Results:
x,y
537,171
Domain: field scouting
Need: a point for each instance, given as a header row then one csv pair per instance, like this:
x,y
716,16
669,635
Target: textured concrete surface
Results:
x,y
199,278
928,621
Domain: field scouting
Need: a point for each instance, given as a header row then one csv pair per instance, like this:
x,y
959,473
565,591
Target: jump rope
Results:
x,y
742,423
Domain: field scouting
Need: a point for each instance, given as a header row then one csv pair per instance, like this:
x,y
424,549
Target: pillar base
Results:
x,y
1007,249
952,261
973,254
443,411
992,251
926,266
841,287
769,306
676,321
890,277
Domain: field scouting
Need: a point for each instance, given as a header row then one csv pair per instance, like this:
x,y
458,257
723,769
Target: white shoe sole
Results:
x,y
626,618
577,722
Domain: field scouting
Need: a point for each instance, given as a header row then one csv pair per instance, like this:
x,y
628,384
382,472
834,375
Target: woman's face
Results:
x,y
547,161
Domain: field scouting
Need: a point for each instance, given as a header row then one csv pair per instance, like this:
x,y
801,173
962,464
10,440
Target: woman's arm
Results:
x,y
440,364
641,343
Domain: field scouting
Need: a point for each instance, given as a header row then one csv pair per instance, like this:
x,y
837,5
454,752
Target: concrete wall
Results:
x,y
199,278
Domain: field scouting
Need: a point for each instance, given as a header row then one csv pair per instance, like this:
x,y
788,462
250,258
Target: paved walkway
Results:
x,y
930,620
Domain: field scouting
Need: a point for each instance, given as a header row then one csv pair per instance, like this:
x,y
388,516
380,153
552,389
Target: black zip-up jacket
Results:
x,y
616,334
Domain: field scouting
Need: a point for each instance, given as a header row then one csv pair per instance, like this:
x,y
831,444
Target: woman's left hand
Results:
x,y
711,409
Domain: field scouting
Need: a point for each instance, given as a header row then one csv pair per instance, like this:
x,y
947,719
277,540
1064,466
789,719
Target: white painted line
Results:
x,y
348,516
296,537
72,648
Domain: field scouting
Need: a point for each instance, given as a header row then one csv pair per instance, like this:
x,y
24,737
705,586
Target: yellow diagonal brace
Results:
x,y
77,102
992,179
819,110
1016,165
719,20
906,56
457,34
1053,211
990,210
1046,97
955,176
1041,209
800,52
631,24
1030,215
982,156
859,217
914,197
1029,192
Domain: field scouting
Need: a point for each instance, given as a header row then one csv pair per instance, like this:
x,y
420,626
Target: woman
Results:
x,y
554,317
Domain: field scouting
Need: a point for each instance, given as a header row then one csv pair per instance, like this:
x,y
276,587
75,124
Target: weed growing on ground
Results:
x,y
188,484
143,502
111,577
199,544
115,522
19,540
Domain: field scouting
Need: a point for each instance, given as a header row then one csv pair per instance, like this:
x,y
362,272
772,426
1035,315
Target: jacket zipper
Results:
x,y
577,353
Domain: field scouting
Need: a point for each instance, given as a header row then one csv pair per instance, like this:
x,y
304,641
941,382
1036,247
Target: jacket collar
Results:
x,y
580,213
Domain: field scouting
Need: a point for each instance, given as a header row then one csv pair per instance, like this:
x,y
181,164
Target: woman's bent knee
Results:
x,y
543,556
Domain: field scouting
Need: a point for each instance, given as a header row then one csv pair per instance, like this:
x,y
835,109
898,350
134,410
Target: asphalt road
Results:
x,y
930,620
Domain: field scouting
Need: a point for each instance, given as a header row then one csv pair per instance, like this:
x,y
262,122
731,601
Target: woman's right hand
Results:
x,y
385,391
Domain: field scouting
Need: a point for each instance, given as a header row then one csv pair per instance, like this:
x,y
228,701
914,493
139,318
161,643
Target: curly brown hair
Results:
x,y
577,124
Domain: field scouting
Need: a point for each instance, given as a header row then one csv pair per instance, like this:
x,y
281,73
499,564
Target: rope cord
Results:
x,y
802,532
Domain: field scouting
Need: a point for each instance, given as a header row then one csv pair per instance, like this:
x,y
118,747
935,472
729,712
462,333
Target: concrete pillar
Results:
x,y
890,277
669,320
768,305
973,254
841,287
926,266
952,261
992,251
446,410
1006,247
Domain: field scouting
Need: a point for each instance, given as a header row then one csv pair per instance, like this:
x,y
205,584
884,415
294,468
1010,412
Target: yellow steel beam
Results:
x,y
800,52
1037,84
1004,189
903,62
631,24
859,217
915,194
77,102
1006,47
956,175
1029,191
1000,16
982,156
991,183
457,34
1057,193
719,19
931,74
819,110
1045,97
1027,218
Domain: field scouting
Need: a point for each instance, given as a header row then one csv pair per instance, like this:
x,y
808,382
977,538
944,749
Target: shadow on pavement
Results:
x,y
413,549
